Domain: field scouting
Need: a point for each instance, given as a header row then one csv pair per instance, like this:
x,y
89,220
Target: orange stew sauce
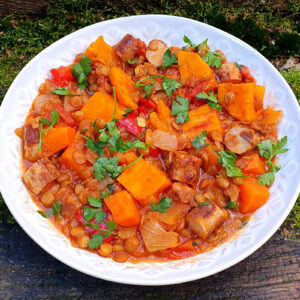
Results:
x,y
147,152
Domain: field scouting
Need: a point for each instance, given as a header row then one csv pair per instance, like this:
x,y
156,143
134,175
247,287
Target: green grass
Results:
x,y
273,32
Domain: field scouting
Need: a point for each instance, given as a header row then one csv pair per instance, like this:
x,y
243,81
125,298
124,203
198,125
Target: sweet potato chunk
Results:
x,y
183,167
99,51
201,118
39,175
144,181
193,69
101,106
238,100
204,220
127,92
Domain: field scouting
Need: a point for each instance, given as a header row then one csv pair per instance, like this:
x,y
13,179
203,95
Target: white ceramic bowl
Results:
x,y
170,29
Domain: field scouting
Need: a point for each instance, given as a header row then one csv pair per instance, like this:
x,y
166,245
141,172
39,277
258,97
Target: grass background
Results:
x,y
272,27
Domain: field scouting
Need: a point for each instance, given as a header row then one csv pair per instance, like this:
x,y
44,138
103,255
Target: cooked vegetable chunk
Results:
x,y
204,220
238,100
57,139
251,164
252,195
39,175
31,138
101,106
240,139
193,69
155,52
229,72
144,181
127,93
183,167
123,209
99,51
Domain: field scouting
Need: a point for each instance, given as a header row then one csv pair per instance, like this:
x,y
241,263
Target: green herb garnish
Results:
x,y
231,205
168,59
56,209
81,70
43,121
43,214
206,203
180,109
199,141
62,91
162,206
227,159
127,112
212,101
169,85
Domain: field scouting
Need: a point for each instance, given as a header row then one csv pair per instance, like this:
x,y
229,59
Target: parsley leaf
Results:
x,y
213,59
95,146
212,101
95,241
43,214
127,112
56,209
43,121
180,108
168,59
206,203
103,166
62,91
189,42
95,202
231,205
269,150
244,223
238,65
169,85
227,159
199,141
162,206
81,70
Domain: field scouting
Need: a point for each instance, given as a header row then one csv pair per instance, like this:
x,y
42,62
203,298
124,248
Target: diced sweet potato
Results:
x,y
204,220
127,92
67,158
99,51
57,139
101,106
193,69
144,181
162,119
251,164
123,209
201,118
40,174
238,100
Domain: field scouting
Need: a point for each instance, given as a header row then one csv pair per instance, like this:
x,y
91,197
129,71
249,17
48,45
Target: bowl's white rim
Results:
x,y
166,281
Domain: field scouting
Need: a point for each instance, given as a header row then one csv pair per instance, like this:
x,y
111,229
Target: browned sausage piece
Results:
x,y
31,139
203,220
185,193
127,48
229,72
183,167
240,139
39,175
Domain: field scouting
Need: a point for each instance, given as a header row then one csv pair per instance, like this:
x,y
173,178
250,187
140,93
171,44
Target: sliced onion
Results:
x,y
156,238
164,140
39,102
126,232
172,215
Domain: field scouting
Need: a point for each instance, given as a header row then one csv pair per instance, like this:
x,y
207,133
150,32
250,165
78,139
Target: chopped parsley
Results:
x,y
238,66
127,112
211,99
62,91
244,223
133,62
269,150
168,59
56,209
195,243
199,141
212,58
43,121
231,205
189,43
206,203
227,159
43,214
169,85
180,109
81,70
162,206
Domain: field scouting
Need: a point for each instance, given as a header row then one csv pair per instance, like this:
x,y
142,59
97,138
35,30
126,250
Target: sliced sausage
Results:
x,y
127,48
155,52
185,193
31,137
240,139
229,72
40,174
203,220
183,167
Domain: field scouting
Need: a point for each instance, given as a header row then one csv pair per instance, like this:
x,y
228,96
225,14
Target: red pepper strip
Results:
x,y
149,105
62,76
142,110
199,88
154,152
130,124
65,115
246,75
141,46
91,231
